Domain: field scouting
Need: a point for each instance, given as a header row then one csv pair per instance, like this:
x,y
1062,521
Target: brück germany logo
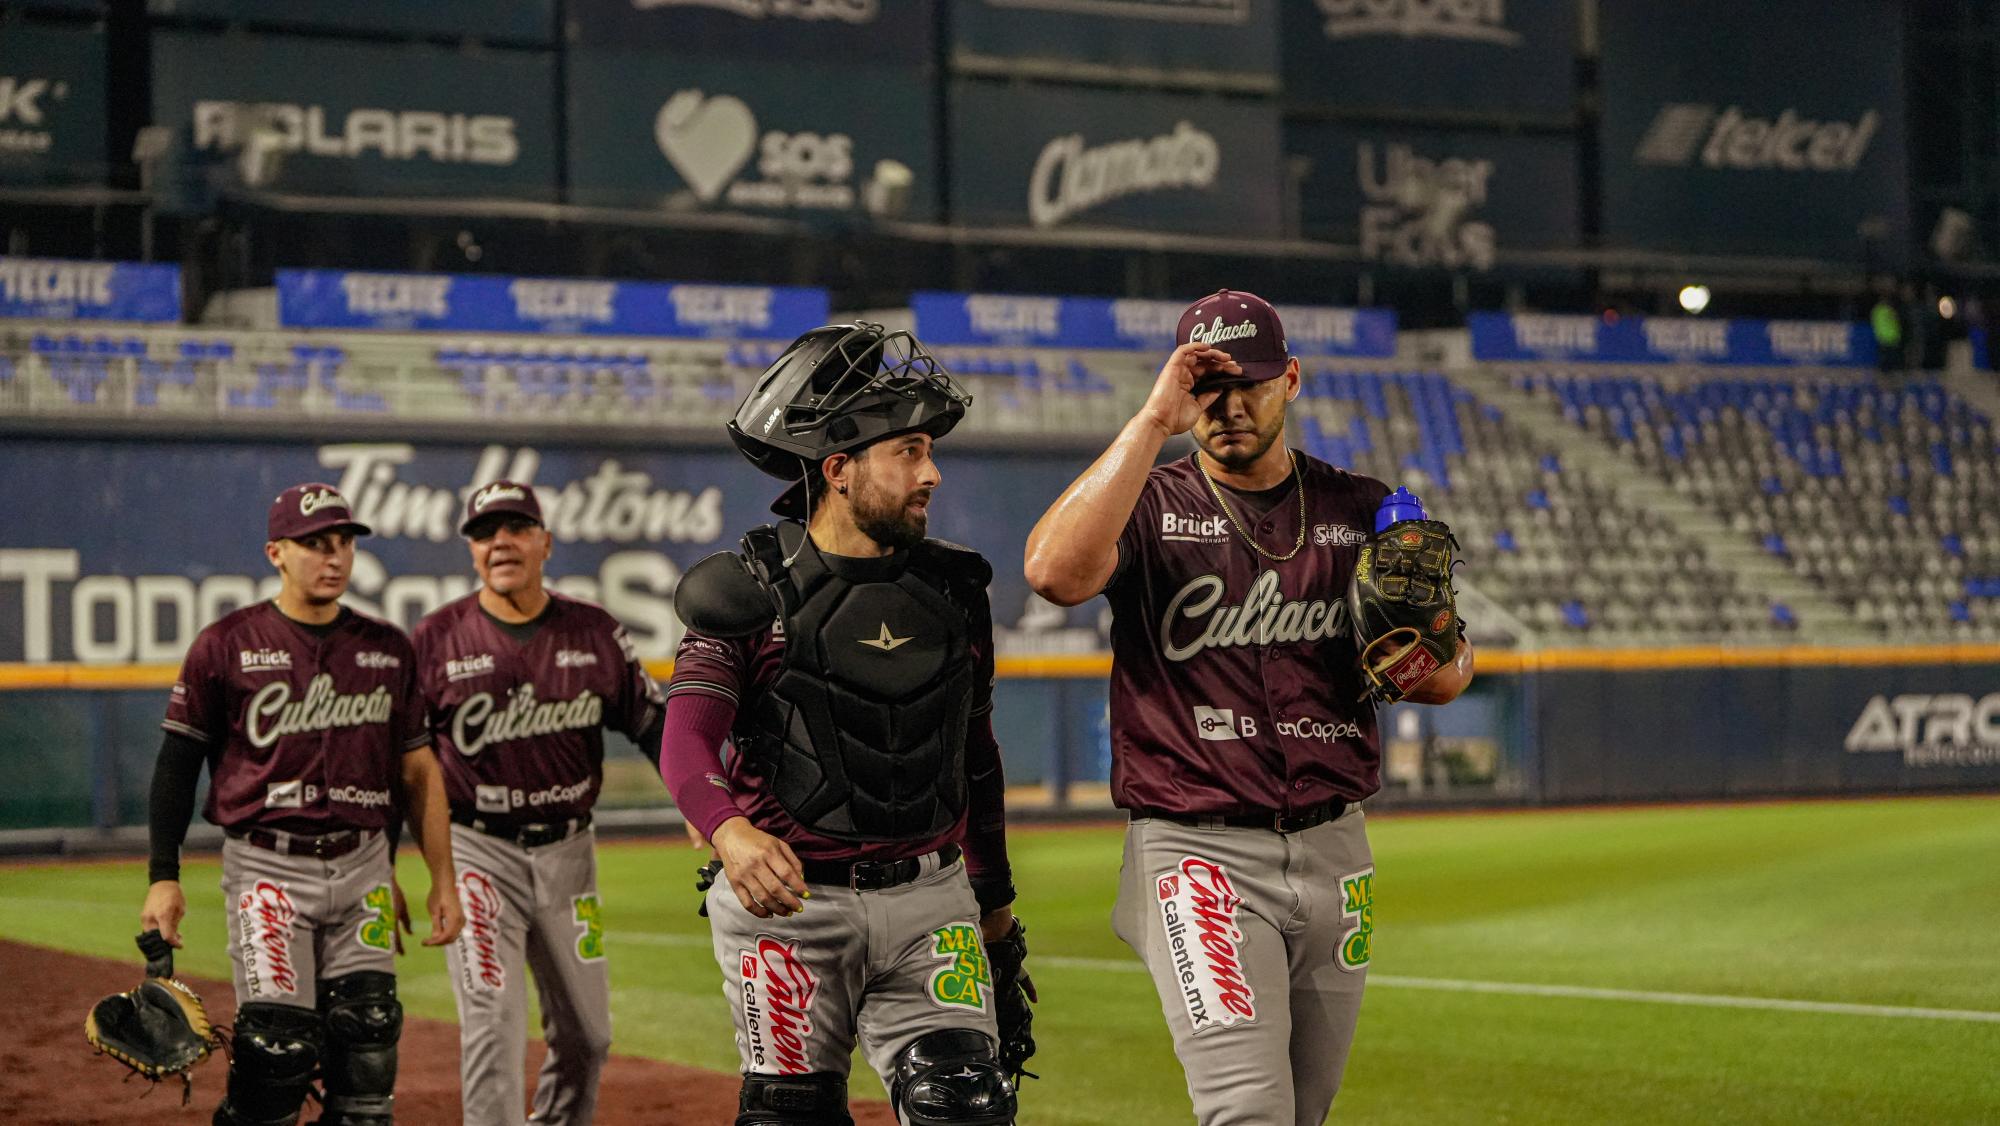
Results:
x,y
967,978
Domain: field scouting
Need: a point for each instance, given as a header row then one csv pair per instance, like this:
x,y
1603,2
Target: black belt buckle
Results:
x,y
323,847
873,875
1308,819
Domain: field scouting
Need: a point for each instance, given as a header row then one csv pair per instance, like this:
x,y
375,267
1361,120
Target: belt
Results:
x,y
292,844
1296,821
527,834
873,875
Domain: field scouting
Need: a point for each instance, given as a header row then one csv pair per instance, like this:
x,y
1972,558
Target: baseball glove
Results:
x,y
1012,990
159,1029
1400,607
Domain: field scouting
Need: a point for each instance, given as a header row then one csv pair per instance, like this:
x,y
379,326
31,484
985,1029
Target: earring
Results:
x,y
843,490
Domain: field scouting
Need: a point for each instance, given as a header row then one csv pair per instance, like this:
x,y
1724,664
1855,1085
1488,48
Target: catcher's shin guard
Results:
x,y
273,1054
952,1078
363,1022
817,1098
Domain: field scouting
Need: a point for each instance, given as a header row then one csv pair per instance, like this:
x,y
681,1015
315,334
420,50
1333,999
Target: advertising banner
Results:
x,y
1175,36
1772,128
525,21
839,143
60,290
1463,56
485,303
1006,320
365,119
1670,340
1430,199
888,32
51,105
156,539
1056,158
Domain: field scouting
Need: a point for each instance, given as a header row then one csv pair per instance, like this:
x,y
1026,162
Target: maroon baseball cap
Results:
x,y
501,498
1243,325
305,510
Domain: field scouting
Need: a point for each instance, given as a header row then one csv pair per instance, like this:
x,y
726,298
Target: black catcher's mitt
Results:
x,y
1012,990
1400,606
160,1029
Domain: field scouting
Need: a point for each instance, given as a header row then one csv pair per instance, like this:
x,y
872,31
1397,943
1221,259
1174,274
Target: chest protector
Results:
x,y
862,734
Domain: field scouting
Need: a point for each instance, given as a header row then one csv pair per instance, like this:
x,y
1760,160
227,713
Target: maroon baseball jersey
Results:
x,y
519,724
306,728
1234,685
735,671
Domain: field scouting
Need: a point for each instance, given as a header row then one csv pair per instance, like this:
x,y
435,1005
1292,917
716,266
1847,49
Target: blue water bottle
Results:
x,y
1399,506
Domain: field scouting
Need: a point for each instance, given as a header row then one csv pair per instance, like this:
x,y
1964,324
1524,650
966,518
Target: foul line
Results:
x,y
1458,985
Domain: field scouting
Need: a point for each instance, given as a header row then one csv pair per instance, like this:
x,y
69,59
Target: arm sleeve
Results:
x,y
710,677
985,839
176,774
641,707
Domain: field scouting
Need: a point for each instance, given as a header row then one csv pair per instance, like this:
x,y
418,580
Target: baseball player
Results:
x,y
850,662
521,683
308,716
1241,740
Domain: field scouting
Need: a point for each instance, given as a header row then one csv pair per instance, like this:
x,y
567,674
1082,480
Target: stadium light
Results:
x,y
1694,298
1947,308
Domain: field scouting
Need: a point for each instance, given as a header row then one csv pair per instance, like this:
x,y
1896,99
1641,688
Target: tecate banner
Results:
x,y
57,289
1013,320
1435,200
1058,158
527,21
1670,340
51,105
889,32
803,141
1771,128
166,537
1485,56
361,119
484,303
1237,37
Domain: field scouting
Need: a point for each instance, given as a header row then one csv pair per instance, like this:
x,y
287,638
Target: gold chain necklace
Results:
x,y
1244,532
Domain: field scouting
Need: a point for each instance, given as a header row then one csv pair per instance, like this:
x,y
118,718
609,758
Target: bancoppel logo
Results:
x,y
1689,338
463,668
43,279
563,302
1683,132
574,658
355,795
1193,529
264,660
1176,11
397,295
1811,342
1947,730
1338,535
25,104
285,795
374,660
1318,730
709,140
844,11
442,138
1219,725
1418,209
495,493
1070,178
1537,332
995,315
1478,21
722,306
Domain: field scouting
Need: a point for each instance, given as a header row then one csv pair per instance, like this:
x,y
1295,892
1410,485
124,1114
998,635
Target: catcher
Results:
x,y
1246,581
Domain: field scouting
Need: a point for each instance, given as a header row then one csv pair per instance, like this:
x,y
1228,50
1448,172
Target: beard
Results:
x,y
886,519
1235,458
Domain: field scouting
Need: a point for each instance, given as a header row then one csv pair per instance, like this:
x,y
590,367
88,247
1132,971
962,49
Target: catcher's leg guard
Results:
x,y
817,1098
272,1057
363,1022
952,1078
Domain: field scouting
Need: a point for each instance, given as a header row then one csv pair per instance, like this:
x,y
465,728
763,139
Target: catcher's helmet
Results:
x,y
839,388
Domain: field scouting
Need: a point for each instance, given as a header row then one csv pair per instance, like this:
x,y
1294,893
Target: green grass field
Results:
x,y
1881,903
